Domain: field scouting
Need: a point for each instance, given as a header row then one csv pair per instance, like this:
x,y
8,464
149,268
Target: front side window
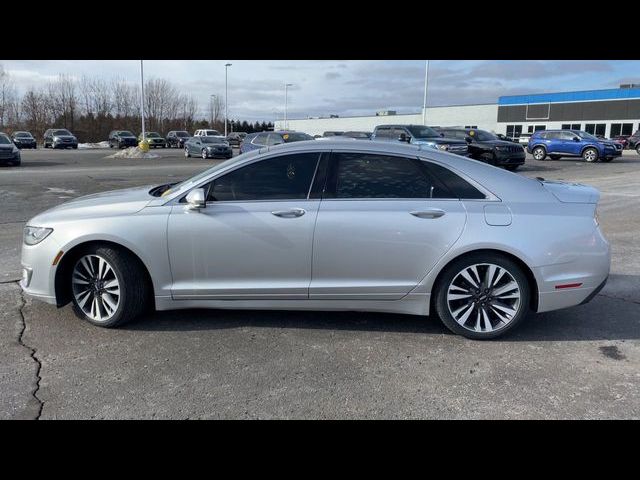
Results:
x,y
383,132
287,177
4,140
360,175
260,139
423,132
62,132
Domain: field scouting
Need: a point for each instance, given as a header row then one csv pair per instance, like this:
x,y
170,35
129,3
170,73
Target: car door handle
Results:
x,y
294,212
430,213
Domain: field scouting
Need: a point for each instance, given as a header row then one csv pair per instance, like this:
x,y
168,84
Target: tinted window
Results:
x,y
359,175
550,135
383,132
423,132
213,140
62,132
261,139
458,186
567,136
296,137
4,140
284,177
274,139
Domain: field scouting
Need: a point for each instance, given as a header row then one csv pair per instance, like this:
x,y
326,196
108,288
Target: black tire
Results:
x,y
186,153
511,168
638,148
555,157
540,153
135,292
452,271
110,145
590,155
204,154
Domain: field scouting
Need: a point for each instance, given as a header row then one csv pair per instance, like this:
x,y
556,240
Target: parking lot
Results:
x,y
582,362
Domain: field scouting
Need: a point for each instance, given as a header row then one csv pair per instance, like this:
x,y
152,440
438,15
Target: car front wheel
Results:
x,y
204,154
539,153
108,287
186,153
482,296
590,155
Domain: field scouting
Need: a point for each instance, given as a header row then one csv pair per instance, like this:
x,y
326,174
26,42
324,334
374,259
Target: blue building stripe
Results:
x,y
584,96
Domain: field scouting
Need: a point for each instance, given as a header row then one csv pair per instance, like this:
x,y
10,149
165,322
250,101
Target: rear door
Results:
x,y
383,223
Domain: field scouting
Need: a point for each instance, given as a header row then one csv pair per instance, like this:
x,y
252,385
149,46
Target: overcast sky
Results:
x,y
321,88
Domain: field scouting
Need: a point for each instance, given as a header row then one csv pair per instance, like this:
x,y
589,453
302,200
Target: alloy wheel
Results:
x,y
96,288
484,297
590,155
538,153
204,154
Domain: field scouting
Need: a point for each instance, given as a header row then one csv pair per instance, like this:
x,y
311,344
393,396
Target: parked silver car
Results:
x,y
333,225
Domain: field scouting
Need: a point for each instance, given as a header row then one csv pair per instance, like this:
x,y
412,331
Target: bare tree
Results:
x,y
35,110
63,100
8,99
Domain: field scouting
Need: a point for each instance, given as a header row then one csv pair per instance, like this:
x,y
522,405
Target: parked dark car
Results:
x,y
572,143
255,141
154,139
9,153
24,140
177,138
622,140
488,148
59,138
207,147
634,141
420,135
236,138
332,134
358,135
122,139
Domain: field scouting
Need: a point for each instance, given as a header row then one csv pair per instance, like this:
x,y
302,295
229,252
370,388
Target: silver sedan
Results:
x,y
334,225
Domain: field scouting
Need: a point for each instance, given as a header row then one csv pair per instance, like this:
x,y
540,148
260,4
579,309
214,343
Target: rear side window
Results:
x,y
260,139
383,133
360,175
458,186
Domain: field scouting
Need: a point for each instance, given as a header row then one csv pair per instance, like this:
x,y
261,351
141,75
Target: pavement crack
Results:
x,y
619,298
32,353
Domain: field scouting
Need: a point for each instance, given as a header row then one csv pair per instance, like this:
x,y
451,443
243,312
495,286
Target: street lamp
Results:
x,y
212,97
286,87
226,97
426,84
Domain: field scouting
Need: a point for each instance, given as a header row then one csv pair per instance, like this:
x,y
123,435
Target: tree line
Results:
x,y
91,107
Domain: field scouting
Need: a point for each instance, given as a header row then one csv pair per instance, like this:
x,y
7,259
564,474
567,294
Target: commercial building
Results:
x,y
609,112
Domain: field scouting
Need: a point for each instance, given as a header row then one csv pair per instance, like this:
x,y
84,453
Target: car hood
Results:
x,y
6,147
441,140
105,204
70,137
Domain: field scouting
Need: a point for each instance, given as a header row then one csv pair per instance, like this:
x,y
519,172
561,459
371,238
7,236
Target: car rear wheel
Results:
x,y
590,155
186,153
108,287
482,296
539,153
204,154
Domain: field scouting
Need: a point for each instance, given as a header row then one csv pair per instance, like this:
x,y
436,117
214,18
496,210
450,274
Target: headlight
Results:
x,y
55,139
443,147
15,149
34,235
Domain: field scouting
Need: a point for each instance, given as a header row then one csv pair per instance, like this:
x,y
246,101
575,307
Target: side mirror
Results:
x,y
195,199
442,134
576,139
403,137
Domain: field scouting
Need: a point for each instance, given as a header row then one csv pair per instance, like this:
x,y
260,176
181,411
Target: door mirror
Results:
x,y
195,199
576,139
403,137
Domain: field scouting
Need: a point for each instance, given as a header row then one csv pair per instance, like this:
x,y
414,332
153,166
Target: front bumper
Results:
x,y
38,271
12,159
25,144
510,158
221,152
64,144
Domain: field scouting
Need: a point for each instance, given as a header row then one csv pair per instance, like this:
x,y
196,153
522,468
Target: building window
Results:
x,y
601,129
514,131
627,129
530,129
537,128
616,128
470,126
571,126
566,126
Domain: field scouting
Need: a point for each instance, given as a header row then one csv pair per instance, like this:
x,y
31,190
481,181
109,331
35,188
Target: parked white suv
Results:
x,y
207,133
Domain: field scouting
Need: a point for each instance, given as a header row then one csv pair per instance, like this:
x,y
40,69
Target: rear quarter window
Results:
x,y
455,183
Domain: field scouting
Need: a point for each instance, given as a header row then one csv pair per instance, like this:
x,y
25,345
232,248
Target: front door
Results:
x,y
383,223
254,238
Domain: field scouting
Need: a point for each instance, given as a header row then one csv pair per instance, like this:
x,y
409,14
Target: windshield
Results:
x,y
211,132
152,135
4,140
62,132
295,137
212,140
482,135
125,133
356,134
586,135
423,132
182,134
23,135
195,179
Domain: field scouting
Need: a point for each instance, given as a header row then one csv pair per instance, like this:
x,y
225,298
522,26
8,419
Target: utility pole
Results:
x,y
426,85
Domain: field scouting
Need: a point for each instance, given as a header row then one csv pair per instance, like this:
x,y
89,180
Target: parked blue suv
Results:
x,y
572,143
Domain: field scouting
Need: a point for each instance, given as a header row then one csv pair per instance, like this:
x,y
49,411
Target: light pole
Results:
x,y
226,97
426,84
142,97
286,87
212,97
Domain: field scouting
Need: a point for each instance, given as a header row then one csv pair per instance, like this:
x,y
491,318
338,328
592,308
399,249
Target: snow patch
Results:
x,y
133,152
94,145
60,190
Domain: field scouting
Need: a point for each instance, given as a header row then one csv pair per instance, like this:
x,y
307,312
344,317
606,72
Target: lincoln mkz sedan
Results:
x,y
333,225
